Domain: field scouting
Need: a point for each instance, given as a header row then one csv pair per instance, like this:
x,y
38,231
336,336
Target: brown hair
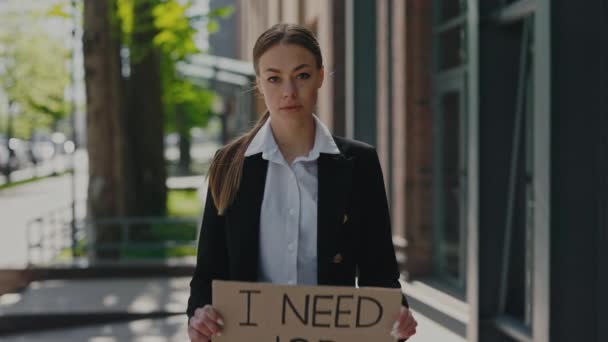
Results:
x,y
227,166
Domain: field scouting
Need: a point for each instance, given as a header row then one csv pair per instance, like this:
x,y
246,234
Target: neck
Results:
x,y
295,138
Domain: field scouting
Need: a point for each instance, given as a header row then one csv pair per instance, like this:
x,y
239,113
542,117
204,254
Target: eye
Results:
x,y
273,79
303,76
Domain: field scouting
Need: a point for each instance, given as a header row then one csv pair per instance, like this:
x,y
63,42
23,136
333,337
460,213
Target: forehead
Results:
x,y
285,57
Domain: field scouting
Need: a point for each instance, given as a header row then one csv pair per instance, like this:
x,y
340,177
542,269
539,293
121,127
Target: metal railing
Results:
x,y
233,80
55,238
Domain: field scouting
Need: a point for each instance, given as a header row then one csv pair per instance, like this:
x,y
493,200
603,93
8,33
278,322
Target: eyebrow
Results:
x,y
301,66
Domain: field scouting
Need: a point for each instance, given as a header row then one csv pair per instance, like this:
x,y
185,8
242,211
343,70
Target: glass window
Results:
x,y
450,192
452,48
450,9
449,202
449,144
516,281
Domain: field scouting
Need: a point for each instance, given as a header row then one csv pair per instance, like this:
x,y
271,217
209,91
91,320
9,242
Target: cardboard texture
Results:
x,y
262,312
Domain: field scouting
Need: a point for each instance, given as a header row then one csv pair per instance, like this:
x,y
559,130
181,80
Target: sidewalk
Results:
x,y
83,296
102,307
135,296
171,329
174,329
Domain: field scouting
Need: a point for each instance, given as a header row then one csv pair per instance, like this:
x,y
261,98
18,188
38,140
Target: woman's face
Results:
x,y
289,80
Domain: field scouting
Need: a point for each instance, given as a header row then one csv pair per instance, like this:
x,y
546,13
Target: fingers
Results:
x,y
213,327
409,326
205,324
404,316
409,322
198,331
213,314
405,326
196,336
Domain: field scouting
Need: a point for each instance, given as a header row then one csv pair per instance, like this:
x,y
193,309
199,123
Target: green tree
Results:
x,y
186,105
33,73
108,185
131,48
144,108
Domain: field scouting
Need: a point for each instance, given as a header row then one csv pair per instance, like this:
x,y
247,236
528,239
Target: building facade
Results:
x,y
490,121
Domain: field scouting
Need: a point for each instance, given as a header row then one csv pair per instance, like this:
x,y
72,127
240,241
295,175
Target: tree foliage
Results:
x,y
33,73
175,37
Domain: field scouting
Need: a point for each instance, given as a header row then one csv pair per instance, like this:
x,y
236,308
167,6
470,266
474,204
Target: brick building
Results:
x,y
487,116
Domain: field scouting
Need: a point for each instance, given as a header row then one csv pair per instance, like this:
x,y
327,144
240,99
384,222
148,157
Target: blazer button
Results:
x,y
337,258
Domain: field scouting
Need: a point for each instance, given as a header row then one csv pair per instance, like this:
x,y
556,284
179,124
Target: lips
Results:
x,y
292,107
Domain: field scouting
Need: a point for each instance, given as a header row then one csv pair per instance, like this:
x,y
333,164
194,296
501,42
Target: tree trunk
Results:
x,y
146,119
185,142
105,131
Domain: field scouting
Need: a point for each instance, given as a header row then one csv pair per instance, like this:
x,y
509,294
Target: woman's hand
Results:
x,y
405,326
205,324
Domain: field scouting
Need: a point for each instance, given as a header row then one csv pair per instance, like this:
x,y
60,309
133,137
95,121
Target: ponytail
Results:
x,y
227,168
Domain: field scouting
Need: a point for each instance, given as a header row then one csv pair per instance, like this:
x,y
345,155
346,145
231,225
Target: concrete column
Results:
x,y
382,89
399,114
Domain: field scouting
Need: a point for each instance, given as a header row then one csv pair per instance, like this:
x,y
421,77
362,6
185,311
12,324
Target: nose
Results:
x,y
289,89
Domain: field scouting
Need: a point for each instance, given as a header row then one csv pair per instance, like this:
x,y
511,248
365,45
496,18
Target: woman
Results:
x,y
289,203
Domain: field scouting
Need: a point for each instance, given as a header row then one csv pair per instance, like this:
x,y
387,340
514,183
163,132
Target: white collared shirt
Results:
x,y
288,220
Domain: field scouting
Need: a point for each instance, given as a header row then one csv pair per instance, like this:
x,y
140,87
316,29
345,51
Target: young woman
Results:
x,y
289,203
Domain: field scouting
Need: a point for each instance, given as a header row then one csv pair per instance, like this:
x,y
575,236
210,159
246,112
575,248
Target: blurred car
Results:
x,y
19,152
4,156
14,155
41,148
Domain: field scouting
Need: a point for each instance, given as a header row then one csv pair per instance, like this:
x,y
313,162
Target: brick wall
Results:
x,y
419,144
411,180
255,16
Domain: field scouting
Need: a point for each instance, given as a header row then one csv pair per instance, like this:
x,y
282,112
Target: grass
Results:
x,y
157,253
183,203
180,204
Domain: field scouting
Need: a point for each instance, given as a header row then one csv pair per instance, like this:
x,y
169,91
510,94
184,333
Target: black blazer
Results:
x,y
354,235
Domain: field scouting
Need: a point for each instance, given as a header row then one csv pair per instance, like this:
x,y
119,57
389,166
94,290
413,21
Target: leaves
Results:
x,y
175,33
124,17
213,26
222,12
33,72
174,36
58,10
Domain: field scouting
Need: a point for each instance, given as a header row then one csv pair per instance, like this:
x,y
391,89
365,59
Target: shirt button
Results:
x,y
292,211
290,247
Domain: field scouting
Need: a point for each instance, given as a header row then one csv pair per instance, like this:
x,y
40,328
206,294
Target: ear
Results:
x,y
321,76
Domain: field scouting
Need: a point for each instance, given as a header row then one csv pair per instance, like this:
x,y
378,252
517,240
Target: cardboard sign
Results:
x,y
273,313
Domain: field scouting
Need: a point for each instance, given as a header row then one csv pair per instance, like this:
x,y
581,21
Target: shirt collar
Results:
x,y
264,143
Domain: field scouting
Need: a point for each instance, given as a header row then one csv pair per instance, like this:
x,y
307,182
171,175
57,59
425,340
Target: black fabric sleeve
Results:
x,y
212,257
377,262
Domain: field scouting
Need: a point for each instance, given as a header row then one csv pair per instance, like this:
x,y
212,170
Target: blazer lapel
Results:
x,y
335,183
245,217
